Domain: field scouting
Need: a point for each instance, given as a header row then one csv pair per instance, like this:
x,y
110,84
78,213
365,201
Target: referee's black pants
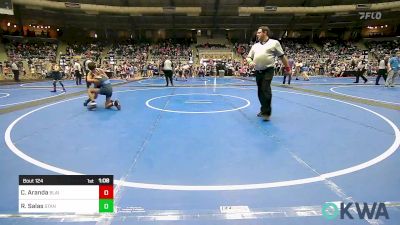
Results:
x,y
168,76
263,79
359,74
16,75
381,73
78,77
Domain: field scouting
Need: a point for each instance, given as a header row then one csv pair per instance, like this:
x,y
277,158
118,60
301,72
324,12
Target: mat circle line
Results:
x,y
5,94
332,89
387,153
197,112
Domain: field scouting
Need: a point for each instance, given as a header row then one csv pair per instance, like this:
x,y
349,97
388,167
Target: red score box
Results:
x,y
106,192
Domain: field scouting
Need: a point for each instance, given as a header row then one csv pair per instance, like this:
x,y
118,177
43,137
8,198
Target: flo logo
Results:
x,y
331,210
370,15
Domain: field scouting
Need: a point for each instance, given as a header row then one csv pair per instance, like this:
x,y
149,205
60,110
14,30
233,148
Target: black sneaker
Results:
x,y
116,104
53,91
259,114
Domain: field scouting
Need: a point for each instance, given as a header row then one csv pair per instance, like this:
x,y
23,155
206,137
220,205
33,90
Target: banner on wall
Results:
x,y
6,7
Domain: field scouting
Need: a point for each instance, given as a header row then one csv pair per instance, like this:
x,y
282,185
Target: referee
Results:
x,y
262,58
167,68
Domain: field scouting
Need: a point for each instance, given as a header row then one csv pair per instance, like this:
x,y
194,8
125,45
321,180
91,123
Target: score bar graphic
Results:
x,y
80,194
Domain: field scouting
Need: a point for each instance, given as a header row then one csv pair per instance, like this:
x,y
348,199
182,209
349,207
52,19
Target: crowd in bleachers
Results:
x,y
337,57
25,50
174,50
128,59
334,57
242,48
379,48
301,52
125,59
89,49
211,46
36,54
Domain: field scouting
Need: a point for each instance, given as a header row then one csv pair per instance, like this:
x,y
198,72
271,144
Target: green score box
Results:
x,y
106,205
